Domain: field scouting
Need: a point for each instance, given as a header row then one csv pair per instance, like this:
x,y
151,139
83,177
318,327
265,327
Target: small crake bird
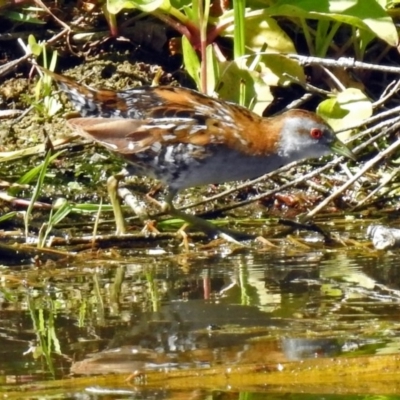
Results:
x,y
184,138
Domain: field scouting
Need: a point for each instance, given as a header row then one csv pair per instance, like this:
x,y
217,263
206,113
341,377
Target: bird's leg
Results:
x,y
150,195
202,224
207,227
115,193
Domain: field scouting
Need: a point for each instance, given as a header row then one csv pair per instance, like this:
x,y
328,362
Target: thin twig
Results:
x,y
343,62
62,23
360,173
385,181
388,95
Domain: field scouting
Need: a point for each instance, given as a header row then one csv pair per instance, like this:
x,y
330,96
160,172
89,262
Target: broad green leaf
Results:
x,y
346,109
258,95
365,14
276,69
115,6
261,30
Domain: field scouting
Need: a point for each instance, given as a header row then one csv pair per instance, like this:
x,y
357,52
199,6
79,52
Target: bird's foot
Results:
x,y
209,228
153,192
130,200
150,227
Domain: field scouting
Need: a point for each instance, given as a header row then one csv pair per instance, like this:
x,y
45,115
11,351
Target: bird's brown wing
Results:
x,y
130,136
134,120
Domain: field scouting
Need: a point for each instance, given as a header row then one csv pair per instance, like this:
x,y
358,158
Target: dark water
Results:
x,y
162,310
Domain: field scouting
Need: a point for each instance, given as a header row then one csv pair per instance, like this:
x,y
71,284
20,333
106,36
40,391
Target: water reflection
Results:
x,y
130,312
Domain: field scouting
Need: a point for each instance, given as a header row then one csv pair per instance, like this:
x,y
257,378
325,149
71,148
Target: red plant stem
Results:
x,y
189,30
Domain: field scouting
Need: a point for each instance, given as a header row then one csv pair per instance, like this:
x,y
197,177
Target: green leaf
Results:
x,y
364,39
365,14
264,35
60,213
190,14
7,216
179,4
53,61
39,184
261,30
20,17
32,173
239,32
212,69
349,107
35,48
257,93
115,6
277,70
191,61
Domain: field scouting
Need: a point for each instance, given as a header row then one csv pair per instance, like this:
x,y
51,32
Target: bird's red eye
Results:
x,y
316,133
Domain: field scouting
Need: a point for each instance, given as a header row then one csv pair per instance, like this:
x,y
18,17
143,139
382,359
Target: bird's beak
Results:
x,y
340,148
